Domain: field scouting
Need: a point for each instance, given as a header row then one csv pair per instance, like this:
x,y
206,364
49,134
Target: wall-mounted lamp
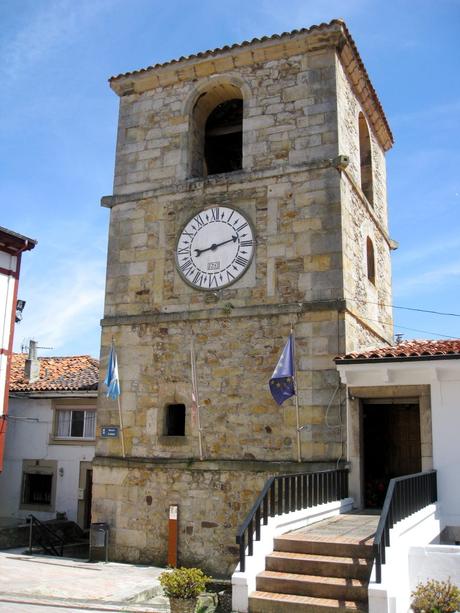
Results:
x,y
61,472
20,304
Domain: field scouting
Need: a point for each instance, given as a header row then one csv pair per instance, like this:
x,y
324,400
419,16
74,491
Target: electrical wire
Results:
x,y
394,306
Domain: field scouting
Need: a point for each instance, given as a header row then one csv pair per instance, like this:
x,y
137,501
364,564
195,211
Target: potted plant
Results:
x,y
183,586
435,597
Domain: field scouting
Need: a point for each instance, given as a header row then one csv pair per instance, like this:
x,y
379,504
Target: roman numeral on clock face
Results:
x,y
241,261
183,250
243,225
215,214
187,267
198,220
246,243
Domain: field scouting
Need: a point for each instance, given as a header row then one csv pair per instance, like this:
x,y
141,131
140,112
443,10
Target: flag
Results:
x,y
194,405
111,380
282,385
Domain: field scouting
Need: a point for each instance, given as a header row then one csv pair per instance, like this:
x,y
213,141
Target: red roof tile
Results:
x,y
74,373
408,349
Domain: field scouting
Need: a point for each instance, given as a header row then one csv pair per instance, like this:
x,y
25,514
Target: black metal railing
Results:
x,y
44,536
405,495
286,493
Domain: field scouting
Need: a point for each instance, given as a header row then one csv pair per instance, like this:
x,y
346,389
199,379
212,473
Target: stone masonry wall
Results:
x,y
235,358
212,500
290,117
308,270
369,302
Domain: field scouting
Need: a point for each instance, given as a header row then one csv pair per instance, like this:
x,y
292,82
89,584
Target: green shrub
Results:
x,y
183,582
436,597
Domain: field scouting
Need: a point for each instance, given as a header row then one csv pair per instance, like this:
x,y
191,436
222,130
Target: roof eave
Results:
x,y
54,394
421,358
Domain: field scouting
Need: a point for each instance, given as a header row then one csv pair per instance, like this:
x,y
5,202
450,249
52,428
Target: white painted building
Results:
x,y
51,438
12,245
405,399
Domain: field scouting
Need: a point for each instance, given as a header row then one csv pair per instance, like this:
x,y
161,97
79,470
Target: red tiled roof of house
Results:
x,y
74,373
408,349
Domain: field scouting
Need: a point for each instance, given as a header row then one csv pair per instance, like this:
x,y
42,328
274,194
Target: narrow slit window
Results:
x,y
365,155
370,260
223,141
175,420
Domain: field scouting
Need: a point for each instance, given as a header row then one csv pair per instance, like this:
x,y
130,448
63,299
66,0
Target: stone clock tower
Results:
x,y
249,196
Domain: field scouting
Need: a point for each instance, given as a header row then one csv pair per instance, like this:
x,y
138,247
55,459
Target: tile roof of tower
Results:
x,y
412,350
352,61
73,373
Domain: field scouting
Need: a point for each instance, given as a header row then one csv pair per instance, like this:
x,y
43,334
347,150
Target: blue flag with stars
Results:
x,y
282,382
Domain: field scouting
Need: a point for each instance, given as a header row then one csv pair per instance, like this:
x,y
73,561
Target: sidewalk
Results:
x,y
36,584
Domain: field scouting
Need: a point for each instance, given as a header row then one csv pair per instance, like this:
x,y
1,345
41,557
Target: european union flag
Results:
x,y
111,380
282,382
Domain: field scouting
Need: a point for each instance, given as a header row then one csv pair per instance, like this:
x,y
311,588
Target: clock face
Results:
x,y
215,248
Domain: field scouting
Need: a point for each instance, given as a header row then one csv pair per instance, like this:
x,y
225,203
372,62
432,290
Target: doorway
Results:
x,y
85,486
391,446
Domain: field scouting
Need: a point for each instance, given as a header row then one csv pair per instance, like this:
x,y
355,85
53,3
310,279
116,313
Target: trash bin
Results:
x,y
99,541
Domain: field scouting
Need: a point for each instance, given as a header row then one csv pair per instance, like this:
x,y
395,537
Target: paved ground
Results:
x,y
354,527
39,584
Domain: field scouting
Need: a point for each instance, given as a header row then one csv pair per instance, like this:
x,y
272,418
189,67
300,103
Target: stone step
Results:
x,y
315,564
311,585
269,602
337,547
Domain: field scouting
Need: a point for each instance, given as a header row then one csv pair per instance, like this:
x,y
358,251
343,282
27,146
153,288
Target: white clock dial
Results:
x,y
215,248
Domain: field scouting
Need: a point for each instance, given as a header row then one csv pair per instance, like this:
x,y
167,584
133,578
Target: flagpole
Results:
x,y
296,398
121,428
197,398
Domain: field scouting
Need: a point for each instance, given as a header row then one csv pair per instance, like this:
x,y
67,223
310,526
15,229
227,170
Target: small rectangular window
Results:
x,y
37,489
175,420
76,423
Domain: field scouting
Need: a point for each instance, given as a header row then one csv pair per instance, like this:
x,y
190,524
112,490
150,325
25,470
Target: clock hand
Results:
x,y
214,246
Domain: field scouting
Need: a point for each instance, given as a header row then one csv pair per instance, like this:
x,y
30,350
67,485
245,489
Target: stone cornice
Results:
x,y
212,464
222,312
200,185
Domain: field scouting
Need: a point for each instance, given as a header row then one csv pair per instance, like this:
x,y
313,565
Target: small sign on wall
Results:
x,y
109,431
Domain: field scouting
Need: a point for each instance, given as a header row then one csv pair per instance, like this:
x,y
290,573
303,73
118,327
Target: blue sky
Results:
x,y
58,122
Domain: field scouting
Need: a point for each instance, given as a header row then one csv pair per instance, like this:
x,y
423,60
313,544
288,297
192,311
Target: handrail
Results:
x,y
405,495
50,534
286,493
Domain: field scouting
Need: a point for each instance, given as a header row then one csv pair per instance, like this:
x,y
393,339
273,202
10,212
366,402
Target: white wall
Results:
x,y
29,440
7,283
392,595
443,376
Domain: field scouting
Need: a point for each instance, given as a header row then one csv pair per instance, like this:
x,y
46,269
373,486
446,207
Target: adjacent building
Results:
x,y
12,246
51,438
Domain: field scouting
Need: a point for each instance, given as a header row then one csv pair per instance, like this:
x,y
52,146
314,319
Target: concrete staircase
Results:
x,y
314,574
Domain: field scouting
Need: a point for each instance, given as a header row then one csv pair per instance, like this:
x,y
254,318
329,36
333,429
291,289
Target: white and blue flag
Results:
x,y
111,380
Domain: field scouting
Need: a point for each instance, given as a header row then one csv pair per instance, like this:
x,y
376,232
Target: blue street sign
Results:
x,y
109,431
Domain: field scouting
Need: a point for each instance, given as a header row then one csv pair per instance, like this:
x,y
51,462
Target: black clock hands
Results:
x,y
214,246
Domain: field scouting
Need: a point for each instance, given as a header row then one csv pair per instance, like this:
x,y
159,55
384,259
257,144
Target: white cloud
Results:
x,y
63,305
